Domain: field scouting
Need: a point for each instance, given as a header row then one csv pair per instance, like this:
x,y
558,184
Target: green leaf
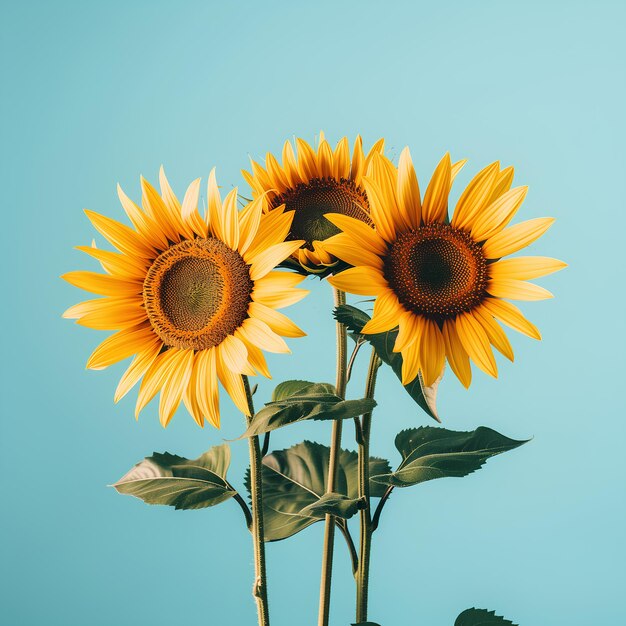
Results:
x,y
288,388
182,483
481,617
429,453
295,479
333,504
354,319
300,400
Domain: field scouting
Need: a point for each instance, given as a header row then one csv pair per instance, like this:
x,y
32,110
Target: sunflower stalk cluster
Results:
x,y
193,295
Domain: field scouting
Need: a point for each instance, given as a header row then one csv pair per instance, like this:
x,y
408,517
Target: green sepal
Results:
x,y
481,617
172,480
429,453
295,478
354,319
300,400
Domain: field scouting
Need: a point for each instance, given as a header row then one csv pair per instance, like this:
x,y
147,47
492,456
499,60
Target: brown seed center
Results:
x,y
437,271
196,293
318,196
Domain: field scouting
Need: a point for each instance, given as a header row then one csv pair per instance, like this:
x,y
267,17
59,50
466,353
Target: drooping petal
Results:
x,y
510,315
257,332
174,385
497,336
387,312
432,352
278,322
456,353
475,341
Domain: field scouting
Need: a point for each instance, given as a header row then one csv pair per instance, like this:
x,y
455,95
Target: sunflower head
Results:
x,y
442,281
310,184
193,297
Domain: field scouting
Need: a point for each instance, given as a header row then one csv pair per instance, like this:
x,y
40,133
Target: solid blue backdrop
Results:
x,y
96,93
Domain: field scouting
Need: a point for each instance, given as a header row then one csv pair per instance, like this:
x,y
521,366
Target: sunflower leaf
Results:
x,y
333,504
294,485
300,400
354,319
429,453
172,480
481,617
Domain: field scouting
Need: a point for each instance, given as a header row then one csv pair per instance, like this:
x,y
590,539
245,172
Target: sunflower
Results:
x,y
193,297
312,184
441,281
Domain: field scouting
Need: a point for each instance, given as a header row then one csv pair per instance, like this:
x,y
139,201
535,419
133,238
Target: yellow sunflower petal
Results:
x,y
249,221
362,234
174,385
257,332
276,290
121,265
341,159
121,345
273,229
362,281
278,322
493,218
475,196
114,314
475,341
378,202
144,224
307,160
407,330
387,312
410,203
411,356
214,207
497,337
525,267
264,262
456,353
233,384
385,174
435,205
234,354
510,315
502,184
344,247
432,354
154,379
171,222
189,209
358,160
125,239
516,289
455,169
516,237
290,165
207,392
256,358
103,284
138,367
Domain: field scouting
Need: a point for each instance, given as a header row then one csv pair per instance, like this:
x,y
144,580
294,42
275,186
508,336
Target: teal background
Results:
x,y
96,93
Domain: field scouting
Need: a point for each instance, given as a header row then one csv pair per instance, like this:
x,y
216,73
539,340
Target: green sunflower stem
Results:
x,y
365,517
259,590
335,449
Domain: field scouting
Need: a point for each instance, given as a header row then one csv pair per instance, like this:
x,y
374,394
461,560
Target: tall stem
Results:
x,y
335,448
259,590
362,574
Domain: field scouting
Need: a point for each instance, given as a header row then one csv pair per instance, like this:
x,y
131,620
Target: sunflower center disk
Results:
x,y
196,293
437,271
312,200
